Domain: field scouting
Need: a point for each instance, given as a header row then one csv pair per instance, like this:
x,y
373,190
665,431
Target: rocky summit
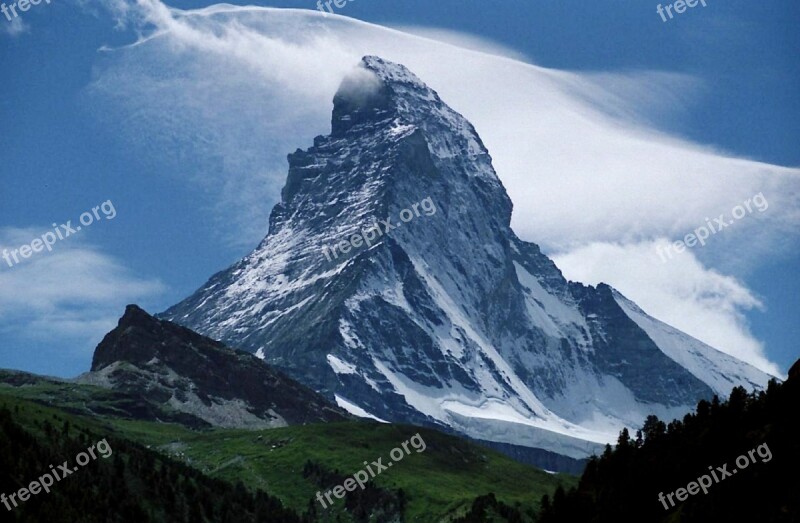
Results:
x,y
182,371
444,318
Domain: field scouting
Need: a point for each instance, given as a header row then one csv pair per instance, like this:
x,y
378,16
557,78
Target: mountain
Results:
x,y
174,473
744,452
178,370
391,282
128,481
225,437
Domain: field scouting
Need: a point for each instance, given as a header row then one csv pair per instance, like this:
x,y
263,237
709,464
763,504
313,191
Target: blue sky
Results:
x,y
733,89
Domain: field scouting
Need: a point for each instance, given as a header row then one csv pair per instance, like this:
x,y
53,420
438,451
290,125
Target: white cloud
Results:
x,y
14,28
463,41
230,90
73,293
680,291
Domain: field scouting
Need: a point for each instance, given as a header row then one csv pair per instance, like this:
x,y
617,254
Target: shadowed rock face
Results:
x,y
176,367
448,318
794,372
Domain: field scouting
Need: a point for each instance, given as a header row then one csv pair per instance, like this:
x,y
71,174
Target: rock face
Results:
x,y
176,368
446,317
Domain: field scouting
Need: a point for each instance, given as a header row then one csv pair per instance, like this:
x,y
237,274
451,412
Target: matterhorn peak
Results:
x,y
441,315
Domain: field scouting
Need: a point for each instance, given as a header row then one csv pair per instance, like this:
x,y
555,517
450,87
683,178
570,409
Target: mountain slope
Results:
x,y
173,367
127,482
719,370
744,451
447,317
290,463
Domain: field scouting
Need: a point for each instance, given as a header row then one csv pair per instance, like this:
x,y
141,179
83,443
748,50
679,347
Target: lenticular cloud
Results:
x,y
233,89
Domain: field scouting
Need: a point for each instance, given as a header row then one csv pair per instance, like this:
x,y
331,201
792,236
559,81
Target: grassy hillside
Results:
x,y
125,481
293,463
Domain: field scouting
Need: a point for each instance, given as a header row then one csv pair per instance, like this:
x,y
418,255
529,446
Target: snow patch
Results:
x,y
339,366
355,410
716,369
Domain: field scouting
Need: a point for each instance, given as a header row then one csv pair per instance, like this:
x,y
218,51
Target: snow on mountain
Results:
x,y
720,371
165,366
447,318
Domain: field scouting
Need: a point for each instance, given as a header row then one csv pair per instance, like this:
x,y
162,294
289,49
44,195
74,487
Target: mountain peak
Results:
x,y
389,98
135,315
378,91
139,337
446,317
179,369
392,73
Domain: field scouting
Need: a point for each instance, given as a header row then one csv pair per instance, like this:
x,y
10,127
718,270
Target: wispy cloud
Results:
x,y
683,293
74,293
463,41
13,28
230,90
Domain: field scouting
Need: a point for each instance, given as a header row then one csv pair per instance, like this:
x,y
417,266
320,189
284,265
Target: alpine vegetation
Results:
x,y
704,481
361,477
45,481
369,235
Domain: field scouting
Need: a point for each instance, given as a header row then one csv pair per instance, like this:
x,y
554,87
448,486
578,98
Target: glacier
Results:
x,y
452,320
